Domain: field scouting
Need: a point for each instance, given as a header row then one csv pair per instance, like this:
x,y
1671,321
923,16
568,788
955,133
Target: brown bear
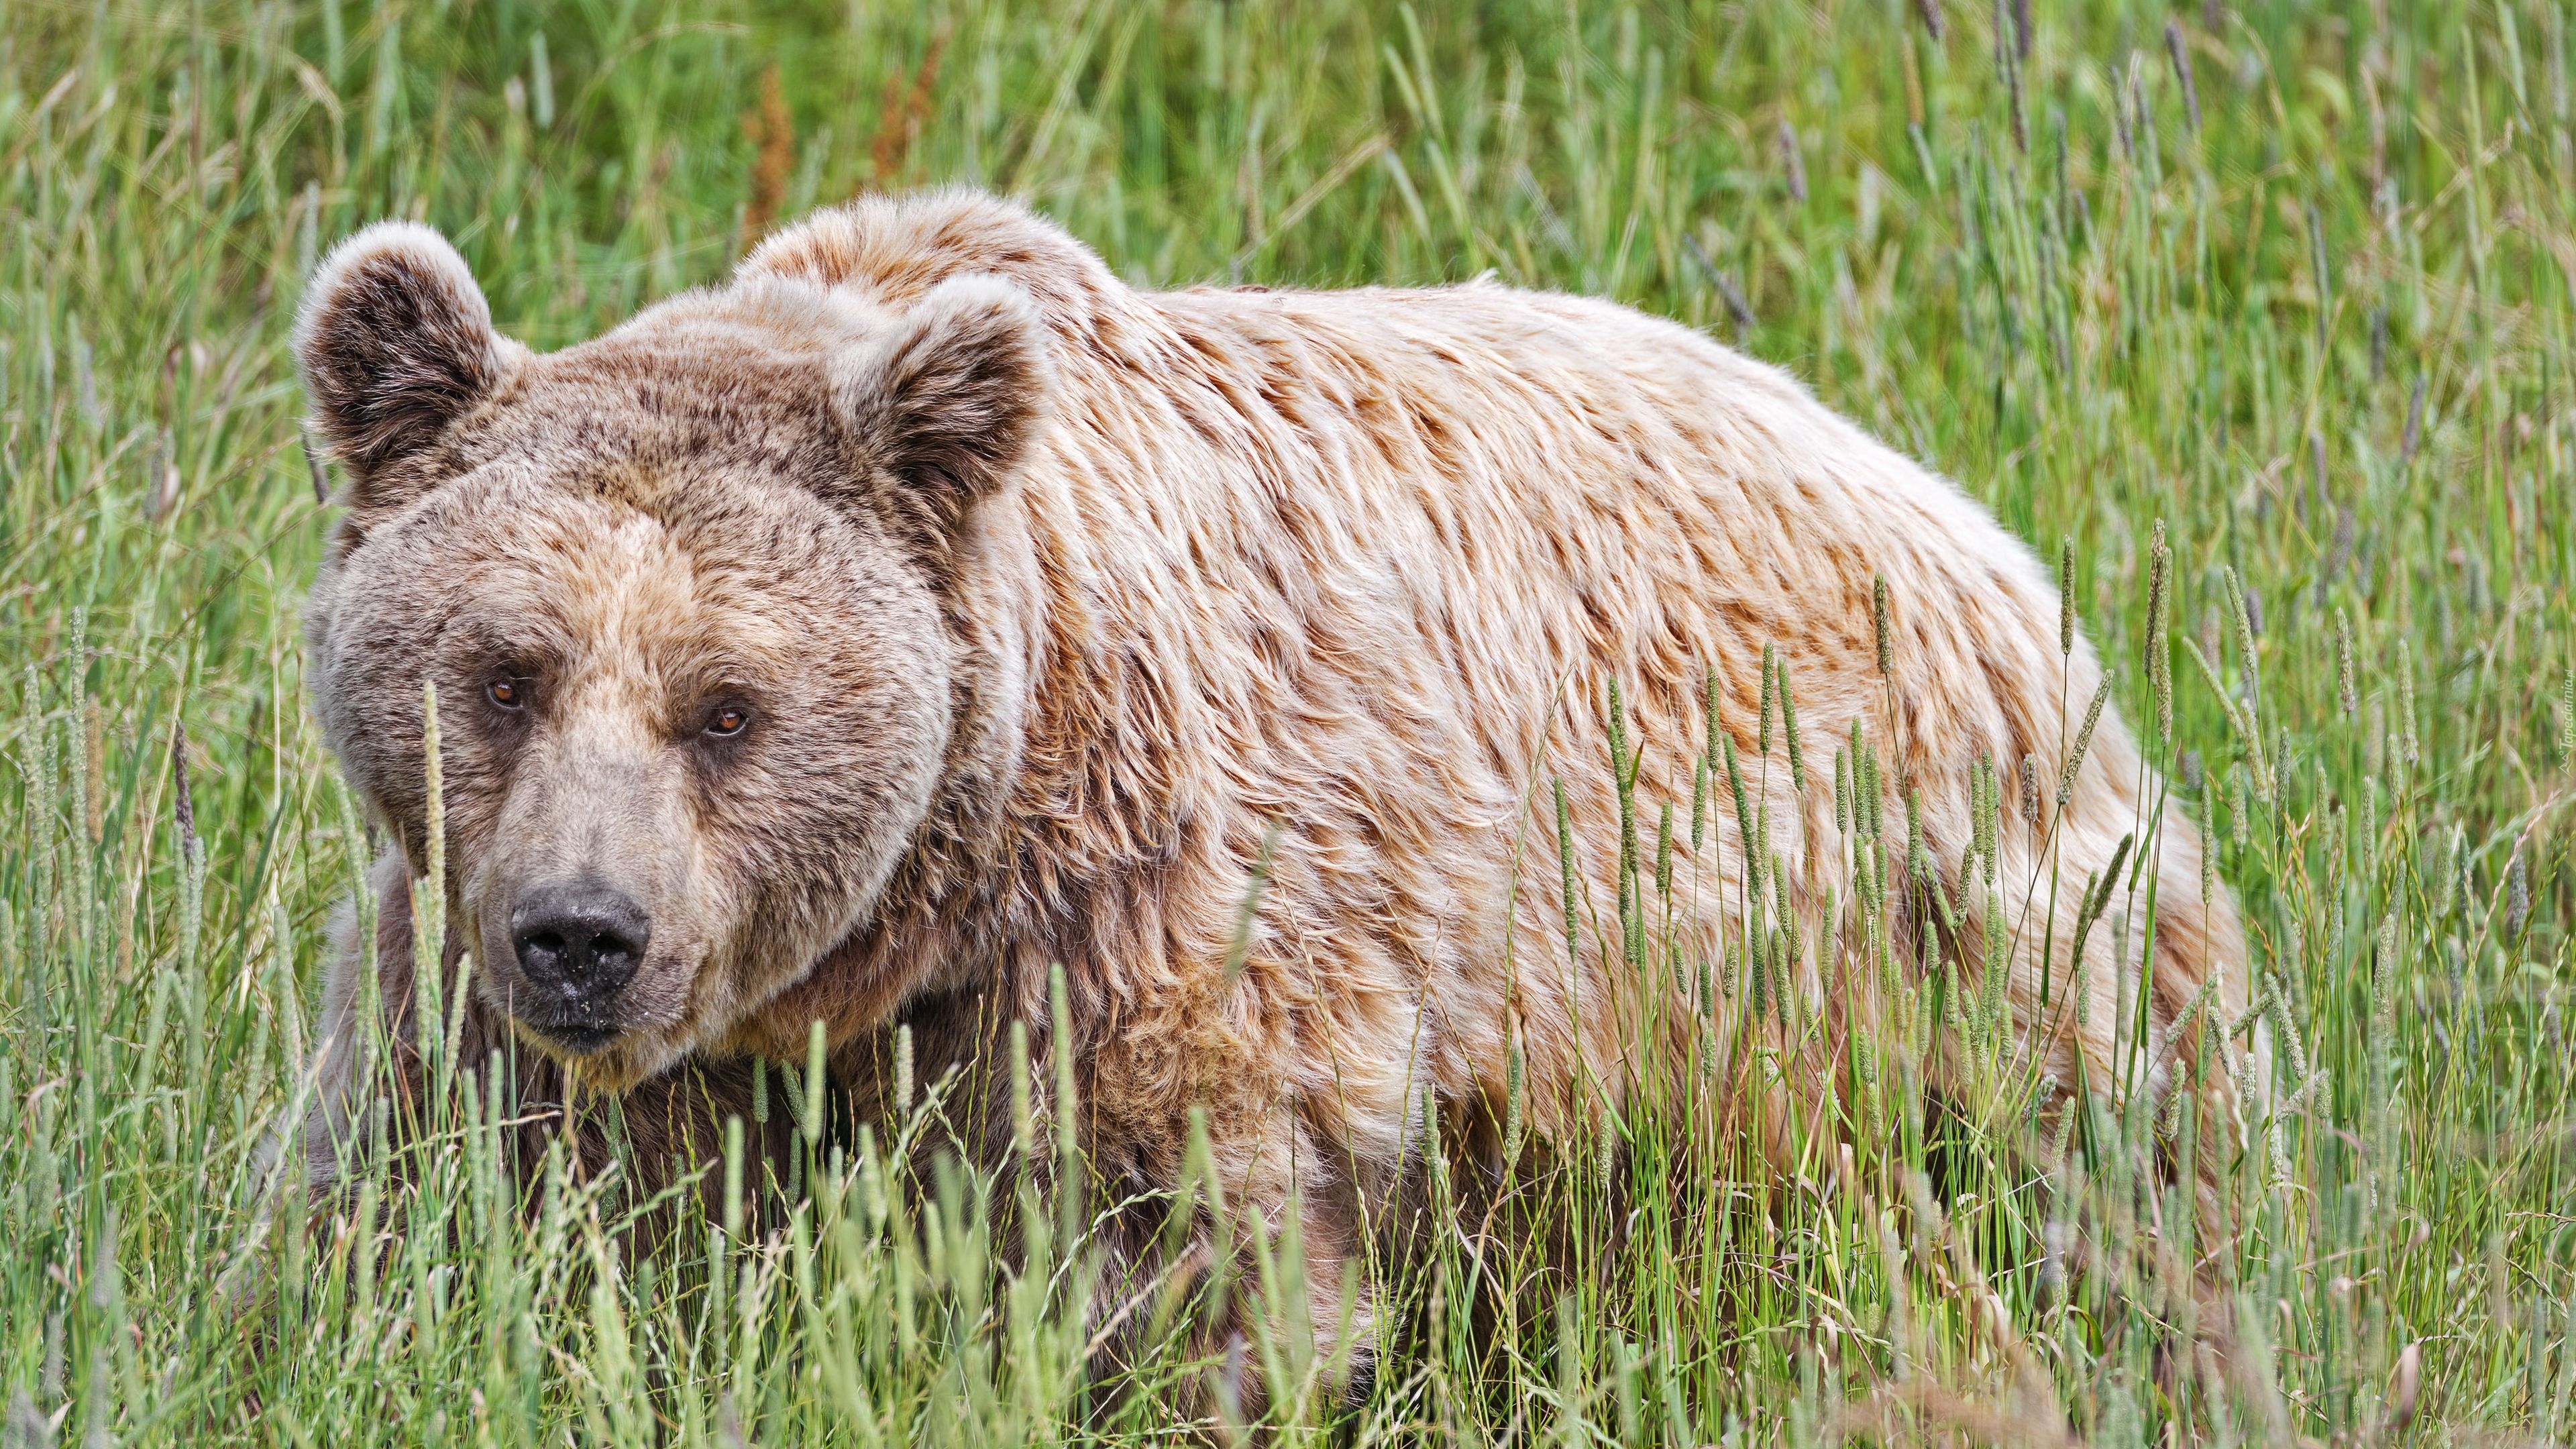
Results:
x,y
926,610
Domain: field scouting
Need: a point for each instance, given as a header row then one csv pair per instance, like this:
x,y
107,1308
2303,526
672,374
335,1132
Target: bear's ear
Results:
x,y
941,404
395,342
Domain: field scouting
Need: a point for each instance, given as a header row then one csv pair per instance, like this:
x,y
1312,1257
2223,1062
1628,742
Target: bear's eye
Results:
x,y
728,720
505,693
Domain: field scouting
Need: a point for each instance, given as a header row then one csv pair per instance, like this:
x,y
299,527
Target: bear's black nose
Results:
x,y
580,943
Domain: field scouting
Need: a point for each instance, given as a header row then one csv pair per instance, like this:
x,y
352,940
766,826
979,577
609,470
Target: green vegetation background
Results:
x,y
2297,280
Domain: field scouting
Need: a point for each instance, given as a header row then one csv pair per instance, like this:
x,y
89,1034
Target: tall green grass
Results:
x,y
2311,309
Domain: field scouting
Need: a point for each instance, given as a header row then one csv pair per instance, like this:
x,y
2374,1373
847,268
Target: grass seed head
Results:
x,y
2347,690
903,1070
1770,688
2567,724
2066,594
1878,623
2517,900
2083,743
1699,803
2159,654
1842,792
1789,731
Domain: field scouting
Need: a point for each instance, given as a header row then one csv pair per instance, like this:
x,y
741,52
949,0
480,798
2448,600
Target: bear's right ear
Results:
x,y
395,342
942,404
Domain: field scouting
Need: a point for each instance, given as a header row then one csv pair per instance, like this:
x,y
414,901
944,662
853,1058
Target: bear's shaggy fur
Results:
x,y
1060,609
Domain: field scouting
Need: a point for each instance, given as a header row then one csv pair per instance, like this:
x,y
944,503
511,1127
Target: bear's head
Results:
x,y
688,594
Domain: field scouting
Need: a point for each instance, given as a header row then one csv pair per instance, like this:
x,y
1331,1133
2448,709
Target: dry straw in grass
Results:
x,y
772,134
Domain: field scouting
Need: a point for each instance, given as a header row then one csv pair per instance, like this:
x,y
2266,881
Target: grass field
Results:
x,y
2298,281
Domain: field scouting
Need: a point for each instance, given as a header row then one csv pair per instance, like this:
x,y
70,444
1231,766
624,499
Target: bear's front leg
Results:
x,y
1296,1318
345,1073
1267,1291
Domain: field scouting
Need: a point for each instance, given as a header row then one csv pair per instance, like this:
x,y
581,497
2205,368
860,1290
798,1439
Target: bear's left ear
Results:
x,y
395,342
941,404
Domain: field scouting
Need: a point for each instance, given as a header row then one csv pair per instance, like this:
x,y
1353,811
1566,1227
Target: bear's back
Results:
x,y
1422,500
